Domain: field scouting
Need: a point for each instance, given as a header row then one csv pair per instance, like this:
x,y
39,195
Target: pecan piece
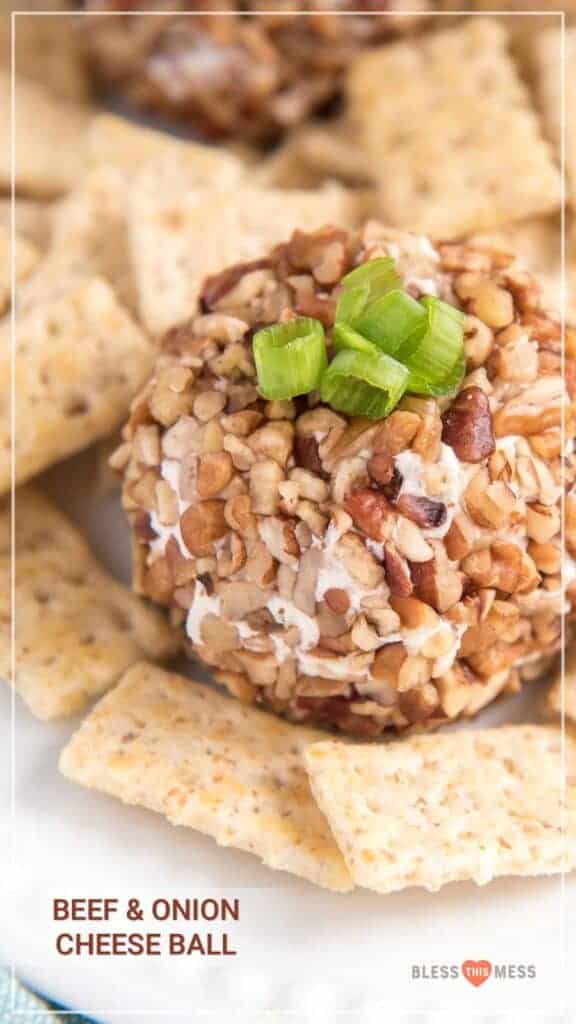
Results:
x,y
216,286
370,512
381,467
337,600
202,524
441,589
419,703
467,426
322,251
397,573
215,472
422,511
307,455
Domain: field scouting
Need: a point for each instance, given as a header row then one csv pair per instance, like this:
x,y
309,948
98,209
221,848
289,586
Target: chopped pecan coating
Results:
x,y
360,574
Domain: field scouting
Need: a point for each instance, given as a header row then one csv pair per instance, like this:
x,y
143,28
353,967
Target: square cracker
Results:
x,y
48,50
435,809
77,629
312,155
50,140
33,220
89,238
129,147
79,360
548,72
554,695
25,258
212,764
450,133
180,236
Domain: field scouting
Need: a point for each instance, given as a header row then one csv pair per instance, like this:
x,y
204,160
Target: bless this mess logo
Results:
x,y
476,972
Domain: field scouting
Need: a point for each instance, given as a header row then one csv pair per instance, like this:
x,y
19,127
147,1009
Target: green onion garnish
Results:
x,y
363,285
346,337
393,321
290,358
351,303
363,383
386,343
437,364
380,275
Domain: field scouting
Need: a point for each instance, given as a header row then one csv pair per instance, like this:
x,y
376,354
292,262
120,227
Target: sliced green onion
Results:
x,y
436,365
290,358
364,284
351,303
362,383
394,321
346,337
420,386
379,274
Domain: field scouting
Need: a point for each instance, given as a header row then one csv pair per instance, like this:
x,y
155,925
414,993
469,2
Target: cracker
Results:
x,y
33,220
129,147
547,58
211,763
312,155
537,244
77,629
180,236
49,51
450,133
50,140
89,238
435,809
25,258
285,168
554,695
78,362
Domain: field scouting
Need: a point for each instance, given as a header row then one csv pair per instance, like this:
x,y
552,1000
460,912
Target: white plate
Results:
x,y
302,954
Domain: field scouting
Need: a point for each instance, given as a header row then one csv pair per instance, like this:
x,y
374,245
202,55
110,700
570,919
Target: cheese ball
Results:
x,y
246,75
366,575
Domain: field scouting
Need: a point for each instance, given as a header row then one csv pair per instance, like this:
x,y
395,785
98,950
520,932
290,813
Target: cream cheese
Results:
x,y
281,649
334,576
202,605
287,614
169,471
332,668
411,466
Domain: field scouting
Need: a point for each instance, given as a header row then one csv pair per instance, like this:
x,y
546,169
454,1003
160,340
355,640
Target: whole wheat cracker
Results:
x,y
449,132
554,695
178,236
26,257
77,629
78,362
211,763
547,57
429,810
49,140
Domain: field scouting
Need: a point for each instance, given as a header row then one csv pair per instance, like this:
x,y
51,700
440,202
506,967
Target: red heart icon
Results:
x,y
476,971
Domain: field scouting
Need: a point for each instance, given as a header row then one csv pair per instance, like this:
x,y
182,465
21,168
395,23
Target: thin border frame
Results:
x,y
561,14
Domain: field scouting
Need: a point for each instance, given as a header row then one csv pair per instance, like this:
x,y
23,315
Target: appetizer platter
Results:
x,y
294,512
